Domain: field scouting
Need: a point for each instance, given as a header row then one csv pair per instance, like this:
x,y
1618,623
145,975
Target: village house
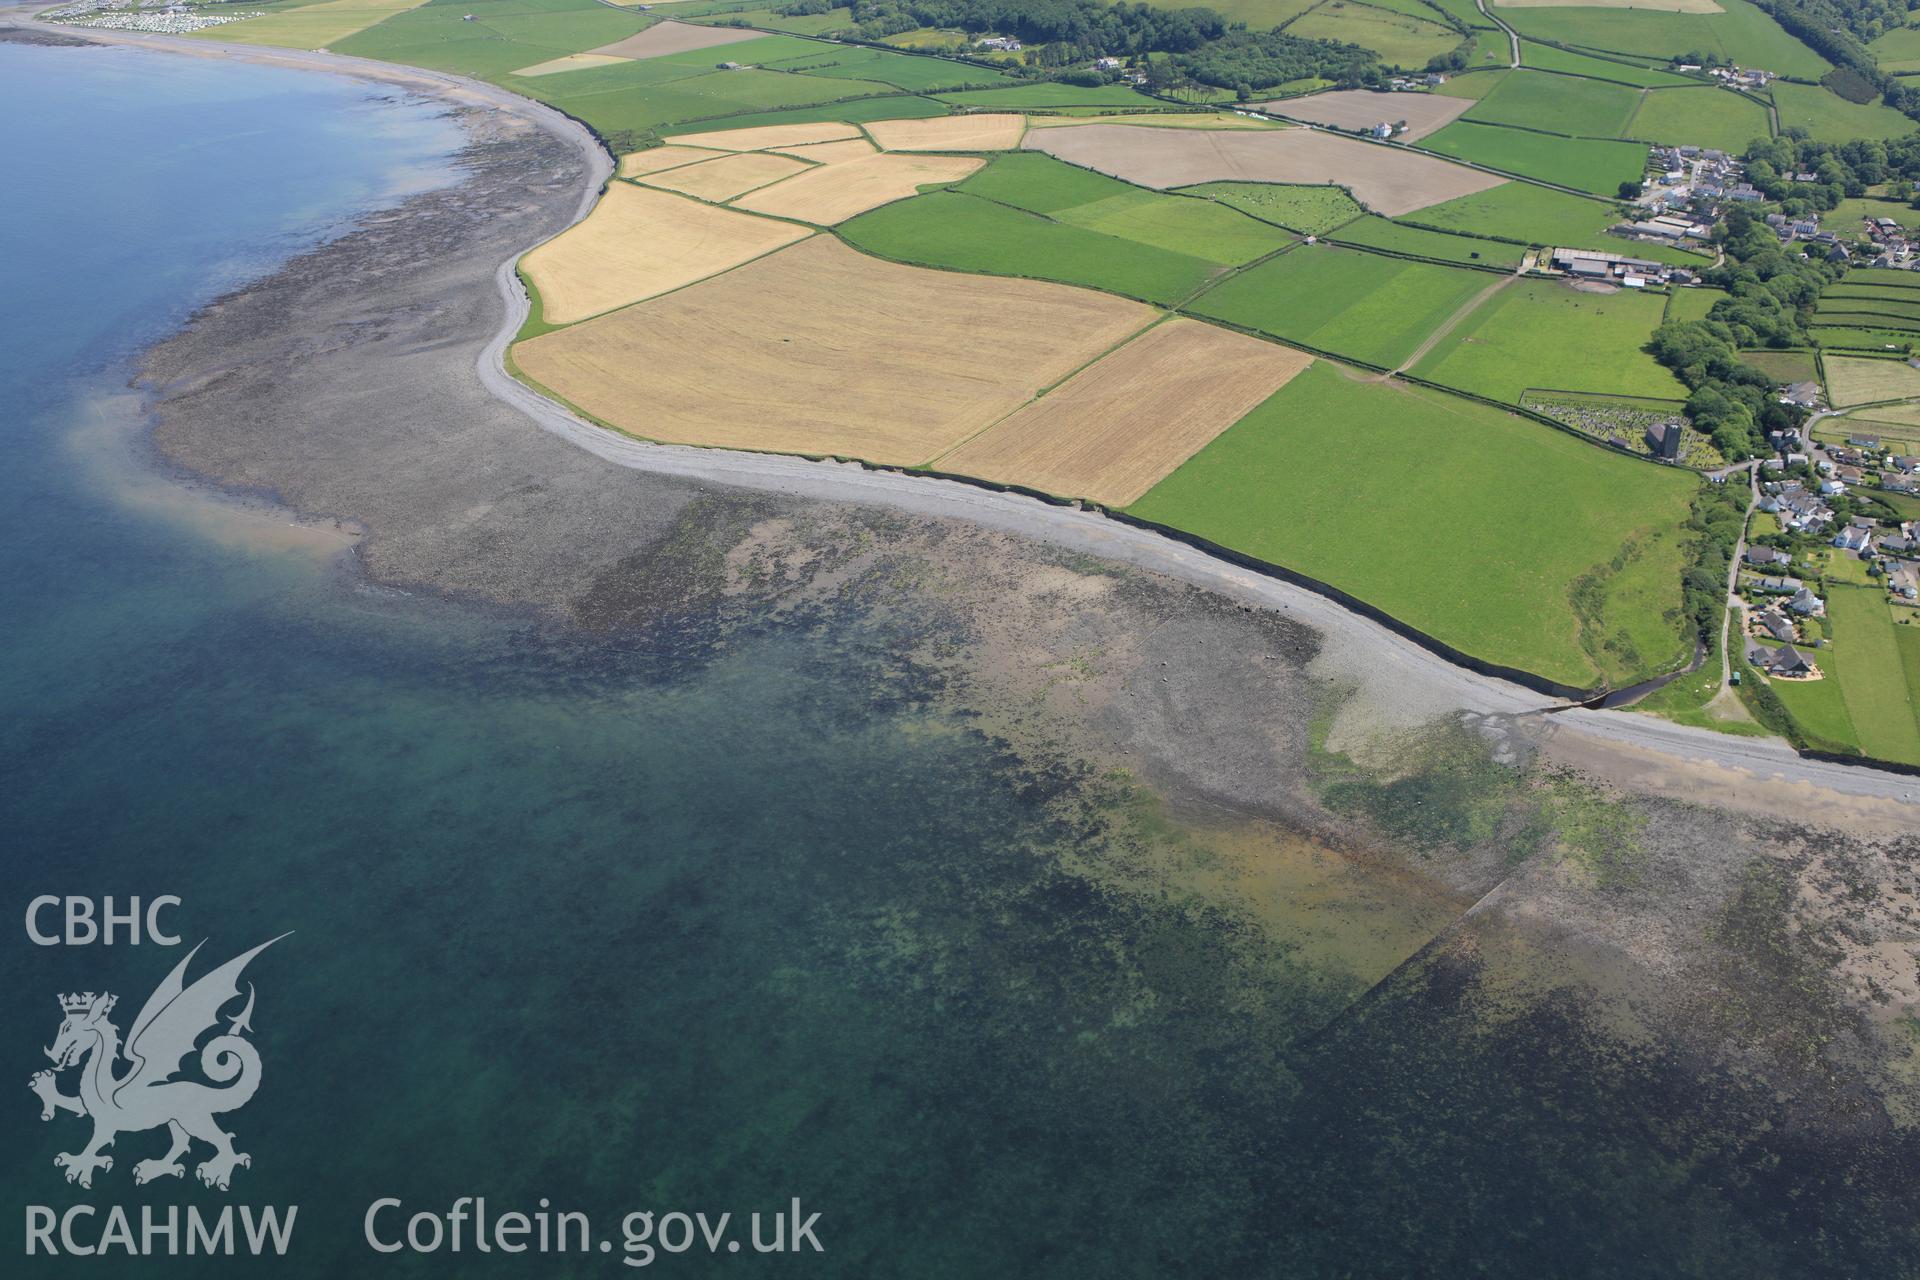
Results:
x,y
1776,624
1766,557
1787,661
1807,604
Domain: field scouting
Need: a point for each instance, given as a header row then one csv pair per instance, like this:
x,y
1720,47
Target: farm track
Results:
x,y
1394,657
1451,323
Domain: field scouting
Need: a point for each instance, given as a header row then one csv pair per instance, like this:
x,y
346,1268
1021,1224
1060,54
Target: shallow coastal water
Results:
x,y
720,912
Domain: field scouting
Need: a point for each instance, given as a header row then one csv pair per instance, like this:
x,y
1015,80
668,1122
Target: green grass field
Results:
x,y
901,70
306,26
1260,15
1692,304
1892,304
1558,104
1706,117
1467,12
1482,82
1050,94
1551,59
1867,662
1742,34
1584,164
1828,117
966,233
1521,211
1782,366
1859,339
1882,278
1385,234
627,101
1548,336
1312,210
1040,184
504,36
1359,305
1846,216
1401,39
811,24
1818,708
1507,517
1898,50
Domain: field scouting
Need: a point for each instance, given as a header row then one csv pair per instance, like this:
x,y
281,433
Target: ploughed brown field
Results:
x,y
1385,179
818,349
1121,425
638,243
1363,108
835,192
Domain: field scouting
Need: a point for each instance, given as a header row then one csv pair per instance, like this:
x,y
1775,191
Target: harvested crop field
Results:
x,y
831,152
994,132
1361,108
641,163
637,243
770,137
664,38
833,193
1157,120
1120,426
1661,6
822,350
1387,180
1857,380
728,176
568,62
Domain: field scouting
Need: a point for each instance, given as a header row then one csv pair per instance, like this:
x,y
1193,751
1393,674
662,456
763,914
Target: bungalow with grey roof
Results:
x,y
1785,661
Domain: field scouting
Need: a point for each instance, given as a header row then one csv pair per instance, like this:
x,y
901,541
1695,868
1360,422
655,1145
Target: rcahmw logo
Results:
x,y
154,1091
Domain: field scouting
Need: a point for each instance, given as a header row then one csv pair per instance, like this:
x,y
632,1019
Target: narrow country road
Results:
x,y
1513,37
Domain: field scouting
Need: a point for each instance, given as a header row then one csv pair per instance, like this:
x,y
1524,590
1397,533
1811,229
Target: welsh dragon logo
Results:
x,y
147,1095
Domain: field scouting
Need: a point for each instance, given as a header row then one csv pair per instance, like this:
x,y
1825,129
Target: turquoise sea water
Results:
x,y
644,924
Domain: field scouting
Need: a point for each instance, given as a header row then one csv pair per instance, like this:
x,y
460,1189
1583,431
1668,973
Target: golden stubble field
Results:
x,y
770,137
986,132
835,192
818,349
639,243
640,163
1121,425
728,176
